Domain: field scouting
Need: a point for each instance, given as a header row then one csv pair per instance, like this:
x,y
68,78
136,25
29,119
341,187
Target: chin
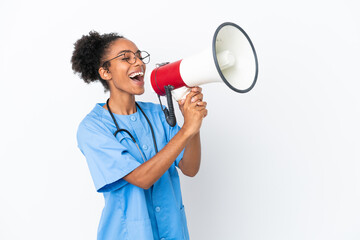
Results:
x,y
139,92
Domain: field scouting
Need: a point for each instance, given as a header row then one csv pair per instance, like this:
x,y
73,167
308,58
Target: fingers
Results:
x,y
204,112
196,89
181,101
194,100
201,104
189,97
197,97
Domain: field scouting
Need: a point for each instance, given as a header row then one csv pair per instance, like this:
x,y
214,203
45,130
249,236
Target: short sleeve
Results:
x,y
108,160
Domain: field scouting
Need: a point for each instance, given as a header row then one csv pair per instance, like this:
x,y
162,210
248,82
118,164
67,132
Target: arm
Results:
x,y
190,163
149,172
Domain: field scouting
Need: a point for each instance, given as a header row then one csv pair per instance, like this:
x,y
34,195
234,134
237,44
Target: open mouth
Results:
x,y
137,76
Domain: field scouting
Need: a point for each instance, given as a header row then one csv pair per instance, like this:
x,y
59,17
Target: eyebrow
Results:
x,y
122,51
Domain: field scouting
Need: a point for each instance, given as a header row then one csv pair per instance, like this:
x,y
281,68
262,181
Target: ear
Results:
x,y
105,74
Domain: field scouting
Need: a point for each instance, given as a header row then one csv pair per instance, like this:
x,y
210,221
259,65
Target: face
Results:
x,y
122,76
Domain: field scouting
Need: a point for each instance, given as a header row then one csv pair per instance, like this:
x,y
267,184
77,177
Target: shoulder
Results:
x,y
92,122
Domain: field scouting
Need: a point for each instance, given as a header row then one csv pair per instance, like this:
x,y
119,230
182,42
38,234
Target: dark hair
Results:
x,y
88,55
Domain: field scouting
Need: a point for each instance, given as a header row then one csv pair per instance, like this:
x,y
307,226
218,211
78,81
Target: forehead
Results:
x,y
122,44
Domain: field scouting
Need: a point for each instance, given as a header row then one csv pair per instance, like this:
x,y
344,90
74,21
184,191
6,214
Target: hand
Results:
x,y
194,110
196,98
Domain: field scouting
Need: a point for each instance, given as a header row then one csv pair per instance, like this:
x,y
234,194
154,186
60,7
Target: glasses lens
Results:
x,y
144,56
129,57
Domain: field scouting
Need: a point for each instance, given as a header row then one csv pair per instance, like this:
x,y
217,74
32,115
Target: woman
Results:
x,y
131,151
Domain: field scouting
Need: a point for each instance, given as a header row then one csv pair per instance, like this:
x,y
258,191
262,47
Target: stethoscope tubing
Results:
x,y
118,129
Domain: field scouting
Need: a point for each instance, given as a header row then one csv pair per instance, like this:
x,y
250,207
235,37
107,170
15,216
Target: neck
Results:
x,y
122,104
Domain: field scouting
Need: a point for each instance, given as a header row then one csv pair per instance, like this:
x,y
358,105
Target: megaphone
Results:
x,y
231,59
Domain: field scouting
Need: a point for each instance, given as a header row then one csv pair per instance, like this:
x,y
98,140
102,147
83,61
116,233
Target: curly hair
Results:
x,y
88,54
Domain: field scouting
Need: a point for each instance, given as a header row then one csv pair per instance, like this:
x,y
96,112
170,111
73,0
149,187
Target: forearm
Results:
x,y
190,163
149,172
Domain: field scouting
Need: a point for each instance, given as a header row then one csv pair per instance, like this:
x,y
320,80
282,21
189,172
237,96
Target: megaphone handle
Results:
x,y
170,115
180,93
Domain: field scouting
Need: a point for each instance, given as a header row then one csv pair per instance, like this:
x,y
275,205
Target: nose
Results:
x,y
139,62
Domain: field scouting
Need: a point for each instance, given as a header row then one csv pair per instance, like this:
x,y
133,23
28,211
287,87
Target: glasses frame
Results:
x,y
125,51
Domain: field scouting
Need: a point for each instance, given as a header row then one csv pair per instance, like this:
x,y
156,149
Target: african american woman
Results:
x,y
132,152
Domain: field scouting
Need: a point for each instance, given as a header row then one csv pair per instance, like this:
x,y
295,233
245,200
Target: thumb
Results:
x,y
181,101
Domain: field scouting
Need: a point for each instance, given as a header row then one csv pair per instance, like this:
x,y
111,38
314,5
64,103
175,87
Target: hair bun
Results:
x,y
87,55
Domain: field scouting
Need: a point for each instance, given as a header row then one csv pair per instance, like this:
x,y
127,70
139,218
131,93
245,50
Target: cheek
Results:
x,y
121,71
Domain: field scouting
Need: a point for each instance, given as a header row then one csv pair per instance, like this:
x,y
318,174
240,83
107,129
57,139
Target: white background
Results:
x,y
280,162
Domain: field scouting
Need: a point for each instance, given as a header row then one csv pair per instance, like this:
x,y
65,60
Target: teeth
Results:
x,y
136,74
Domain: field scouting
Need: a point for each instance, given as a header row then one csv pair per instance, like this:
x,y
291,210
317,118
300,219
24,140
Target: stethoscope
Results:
x,y
131,136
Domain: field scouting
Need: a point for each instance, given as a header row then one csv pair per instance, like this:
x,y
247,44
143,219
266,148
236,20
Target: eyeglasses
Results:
x,y
131,57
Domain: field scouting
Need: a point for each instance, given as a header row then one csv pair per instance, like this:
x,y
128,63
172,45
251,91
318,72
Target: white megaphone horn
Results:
x,y
230,59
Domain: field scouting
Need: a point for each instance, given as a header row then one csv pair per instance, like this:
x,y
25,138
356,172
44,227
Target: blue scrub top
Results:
x,y
130,212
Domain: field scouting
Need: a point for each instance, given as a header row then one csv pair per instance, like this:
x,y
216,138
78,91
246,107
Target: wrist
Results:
x,y
187,132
